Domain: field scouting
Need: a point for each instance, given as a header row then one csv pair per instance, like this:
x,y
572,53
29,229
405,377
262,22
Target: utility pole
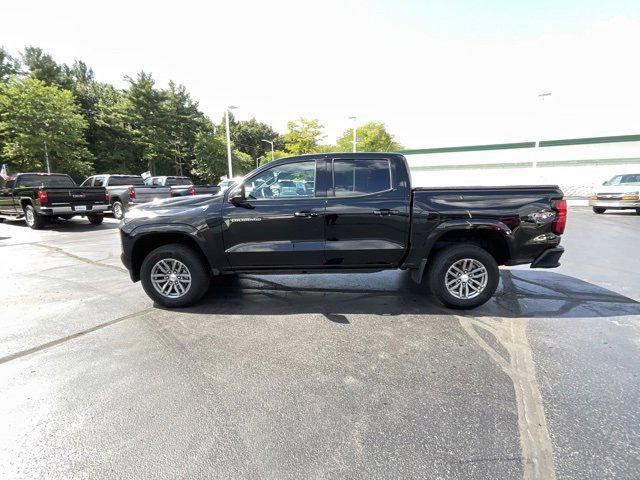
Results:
x,y
226,117
542,97
270,143
46,156
355,138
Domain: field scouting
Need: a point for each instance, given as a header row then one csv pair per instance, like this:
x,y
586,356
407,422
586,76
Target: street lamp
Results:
x,y
355,138
226,117
270,143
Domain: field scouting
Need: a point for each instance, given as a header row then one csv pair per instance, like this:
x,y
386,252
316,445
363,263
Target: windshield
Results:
x,y
170,182
128,180
44,180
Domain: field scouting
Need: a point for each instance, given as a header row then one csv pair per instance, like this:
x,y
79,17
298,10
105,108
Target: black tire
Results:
x,y
446,258
195,264
637,211
118,210
34,219
599,210
95,219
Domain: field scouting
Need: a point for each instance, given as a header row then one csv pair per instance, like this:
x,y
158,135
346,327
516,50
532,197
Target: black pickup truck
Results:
x,y
343,213
37,197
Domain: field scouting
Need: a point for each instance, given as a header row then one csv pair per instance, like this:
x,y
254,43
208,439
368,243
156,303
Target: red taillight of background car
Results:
x,y
192,190
132,193
106,195
561,220
43,197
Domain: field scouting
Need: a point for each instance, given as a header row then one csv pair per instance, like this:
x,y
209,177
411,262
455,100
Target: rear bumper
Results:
x,y
71,210
615,203
550,258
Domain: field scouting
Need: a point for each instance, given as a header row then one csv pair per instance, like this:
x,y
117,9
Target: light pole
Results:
x,y
355,138
270,143
542,97
46,149
226,117
258,161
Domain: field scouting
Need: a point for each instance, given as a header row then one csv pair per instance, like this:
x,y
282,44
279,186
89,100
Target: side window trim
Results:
x,y
332,187
315,190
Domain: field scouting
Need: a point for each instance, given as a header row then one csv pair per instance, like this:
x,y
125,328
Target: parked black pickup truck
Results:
x,y
344,213
37,197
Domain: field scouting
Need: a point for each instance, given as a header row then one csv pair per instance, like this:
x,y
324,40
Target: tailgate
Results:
x,y
75,195
149,194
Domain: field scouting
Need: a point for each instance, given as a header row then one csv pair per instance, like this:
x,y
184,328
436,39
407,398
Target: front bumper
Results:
x,y
615,203
72,210
550,258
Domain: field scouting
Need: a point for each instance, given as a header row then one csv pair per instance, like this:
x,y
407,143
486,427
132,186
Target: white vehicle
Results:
x,y
620,192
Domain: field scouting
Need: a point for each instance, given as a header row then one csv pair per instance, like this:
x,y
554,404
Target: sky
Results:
x,y
437,72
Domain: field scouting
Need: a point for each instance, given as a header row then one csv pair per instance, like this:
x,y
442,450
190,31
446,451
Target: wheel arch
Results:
x,y
147,242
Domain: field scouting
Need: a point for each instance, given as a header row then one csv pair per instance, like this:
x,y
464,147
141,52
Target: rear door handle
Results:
x,y
305,214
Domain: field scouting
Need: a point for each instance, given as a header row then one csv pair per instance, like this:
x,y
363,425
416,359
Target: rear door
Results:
x,y
277,227
367,214
7,203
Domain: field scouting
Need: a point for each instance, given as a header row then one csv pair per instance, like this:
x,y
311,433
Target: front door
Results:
x,y
281,223
367,214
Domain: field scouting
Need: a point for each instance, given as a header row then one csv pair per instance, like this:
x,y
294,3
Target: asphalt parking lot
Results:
x,y
318,376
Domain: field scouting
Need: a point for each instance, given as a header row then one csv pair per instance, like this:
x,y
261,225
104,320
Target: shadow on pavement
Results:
x,y
521,294
71,225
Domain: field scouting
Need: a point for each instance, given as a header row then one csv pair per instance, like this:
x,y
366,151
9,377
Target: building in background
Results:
x,y
577,164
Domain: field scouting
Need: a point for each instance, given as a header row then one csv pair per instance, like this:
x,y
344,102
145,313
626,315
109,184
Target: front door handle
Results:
x,y
305,214
386,211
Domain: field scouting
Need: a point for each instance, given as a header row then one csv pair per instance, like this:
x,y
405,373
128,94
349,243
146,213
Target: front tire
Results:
x,y
118,210
175,276
599,210
463,276
34,219
95,219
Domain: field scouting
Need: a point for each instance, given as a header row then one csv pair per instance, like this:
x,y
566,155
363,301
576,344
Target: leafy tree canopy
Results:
x,y
371,137
304,136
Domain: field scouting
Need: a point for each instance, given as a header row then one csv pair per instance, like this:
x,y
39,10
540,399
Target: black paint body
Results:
x,y
396,228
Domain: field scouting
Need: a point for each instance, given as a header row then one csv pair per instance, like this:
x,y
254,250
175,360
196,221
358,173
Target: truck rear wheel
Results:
x,y
95,219
599,210
33,218
174,276
463,276
118,210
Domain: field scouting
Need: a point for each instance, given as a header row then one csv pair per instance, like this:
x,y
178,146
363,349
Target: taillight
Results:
x,y
106,195
43,197
132,193
561,220
192,190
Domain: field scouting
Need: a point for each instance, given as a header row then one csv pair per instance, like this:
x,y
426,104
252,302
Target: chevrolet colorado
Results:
x,y
352,212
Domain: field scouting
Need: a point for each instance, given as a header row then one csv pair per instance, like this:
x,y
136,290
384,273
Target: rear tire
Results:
x,y
95,219
118,210
171,265
34,219
637,211
599,210
463,276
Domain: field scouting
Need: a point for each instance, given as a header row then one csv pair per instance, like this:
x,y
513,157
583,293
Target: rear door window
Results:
x,y
360,177
38,180
128,180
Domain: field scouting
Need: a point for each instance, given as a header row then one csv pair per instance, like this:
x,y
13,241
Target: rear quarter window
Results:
x,y
361,177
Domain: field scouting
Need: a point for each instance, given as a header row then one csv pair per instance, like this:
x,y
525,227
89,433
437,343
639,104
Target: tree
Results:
x,y
371,137
43,67
37,121
304,136
247,137
146,117
210,162
9,66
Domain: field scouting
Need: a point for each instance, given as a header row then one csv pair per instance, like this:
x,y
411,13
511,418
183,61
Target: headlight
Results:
x,y
594,197
630,196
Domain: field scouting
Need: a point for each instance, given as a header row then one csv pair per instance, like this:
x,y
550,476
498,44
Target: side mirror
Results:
x,y
237,196
604,184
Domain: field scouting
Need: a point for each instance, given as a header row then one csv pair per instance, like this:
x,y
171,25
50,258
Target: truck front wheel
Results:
x,y
175,275
33,218
463,276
